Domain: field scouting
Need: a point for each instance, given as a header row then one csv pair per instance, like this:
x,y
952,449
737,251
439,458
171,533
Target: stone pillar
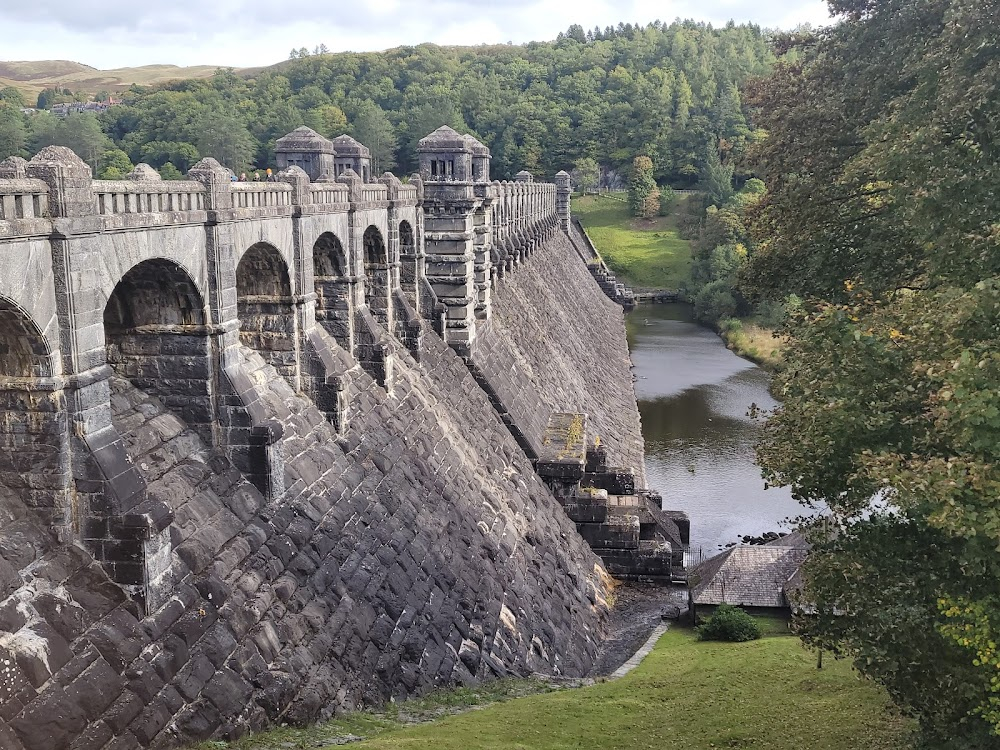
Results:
x,y
249,440
563,191
450,206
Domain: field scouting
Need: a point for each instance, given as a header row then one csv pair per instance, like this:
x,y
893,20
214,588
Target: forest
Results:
x,y
667,91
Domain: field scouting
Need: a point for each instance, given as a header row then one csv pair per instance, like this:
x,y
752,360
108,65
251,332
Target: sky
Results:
x,y
109,34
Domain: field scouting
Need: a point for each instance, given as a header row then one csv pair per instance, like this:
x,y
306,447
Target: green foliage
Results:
x,y
642,190
667,200
169,172
880,212
729,623
13,131
718,182
80,132
715,301
12,96
666,90
586,174
115,164
371,127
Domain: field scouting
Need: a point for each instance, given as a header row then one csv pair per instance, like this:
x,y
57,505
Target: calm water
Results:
x,y
694,395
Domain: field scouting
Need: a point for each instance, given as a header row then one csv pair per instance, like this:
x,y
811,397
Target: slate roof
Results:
x,y
748,576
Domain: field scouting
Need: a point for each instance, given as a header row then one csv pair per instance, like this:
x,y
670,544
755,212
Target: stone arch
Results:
x,y
34,450
377,284
331,274
266,308
157,336
408,262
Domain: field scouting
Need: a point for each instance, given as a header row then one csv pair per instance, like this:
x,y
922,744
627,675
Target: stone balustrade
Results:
x,y
23,199
261,194
147,196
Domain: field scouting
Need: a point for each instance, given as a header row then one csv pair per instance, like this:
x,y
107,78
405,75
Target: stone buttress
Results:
x,y
276,450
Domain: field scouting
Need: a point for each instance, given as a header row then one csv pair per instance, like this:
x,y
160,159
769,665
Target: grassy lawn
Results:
x,y
645,253
686,695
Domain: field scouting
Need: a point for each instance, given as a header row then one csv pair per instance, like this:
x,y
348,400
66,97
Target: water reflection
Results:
x,y
694,397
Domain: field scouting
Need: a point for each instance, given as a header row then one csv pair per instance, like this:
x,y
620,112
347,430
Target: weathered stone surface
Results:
x,y
293,496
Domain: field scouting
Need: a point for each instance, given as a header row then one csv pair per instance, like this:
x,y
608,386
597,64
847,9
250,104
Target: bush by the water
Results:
x,y
729,623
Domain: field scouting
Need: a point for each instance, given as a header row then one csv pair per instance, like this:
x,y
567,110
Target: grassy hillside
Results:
x,y
687,695
31,77
644,253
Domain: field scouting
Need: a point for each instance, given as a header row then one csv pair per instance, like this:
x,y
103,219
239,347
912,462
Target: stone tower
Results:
x,y
307,149
350,154
452,199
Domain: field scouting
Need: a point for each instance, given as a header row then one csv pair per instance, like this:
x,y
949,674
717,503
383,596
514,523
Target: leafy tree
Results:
x,y
13,133
332,120
115,164
371,127
79,132
223,136
879,164
12,96
718,179
169,172
586,174
643,196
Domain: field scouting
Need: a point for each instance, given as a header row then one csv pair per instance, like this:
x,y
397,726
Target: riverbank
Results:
x,y
686,694
752,341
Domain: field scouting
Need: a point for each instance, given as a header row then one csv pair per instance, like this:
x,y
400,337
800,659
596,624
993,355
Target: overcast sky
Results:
x,y
244,33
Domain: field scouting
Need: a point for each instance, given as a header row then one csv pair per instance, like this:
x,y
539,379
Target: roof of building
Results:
x,y
748,576
303,139
347,146
445,138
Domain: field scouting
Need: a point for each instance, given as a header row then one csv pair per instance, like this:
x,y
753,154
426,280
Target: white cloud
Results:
x,y
243,33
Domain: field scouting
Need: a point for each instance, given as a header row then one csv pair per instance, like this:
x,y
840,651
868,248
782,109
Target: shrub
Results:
x,y
714,302
729,623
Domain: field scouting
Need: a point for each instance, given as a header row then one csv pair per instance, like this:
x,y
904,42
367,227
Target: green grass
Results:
x,y
645,253
686,695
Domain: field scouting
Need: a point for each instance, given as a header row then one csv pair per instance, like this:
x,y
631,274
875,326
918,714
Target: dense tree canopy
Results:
x,y
881,165
667,91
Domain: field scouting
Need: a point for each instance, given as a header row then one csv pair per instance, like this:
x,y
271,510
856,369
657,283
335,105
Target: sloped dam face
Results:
x,y
694,398
409,543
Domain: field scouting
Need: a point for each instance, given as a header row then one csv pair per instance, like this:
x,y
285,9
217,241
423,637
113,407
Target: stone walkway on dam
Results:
x,y
269,451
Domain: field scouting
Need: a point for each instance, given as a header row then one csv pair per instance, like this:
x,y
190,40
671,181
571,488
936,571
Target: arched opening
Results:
x,y
376,274
333,288
265,307
34,463
408,262
156,337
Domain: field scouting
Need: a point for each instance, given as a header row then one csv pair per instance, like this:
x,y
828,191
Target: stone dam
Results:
x,y
270,451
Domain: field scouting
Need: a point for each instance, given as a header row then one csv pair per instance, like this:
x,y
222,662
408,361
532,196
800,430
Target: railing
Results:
x,y
328,192
261,194
408,192
372,192
23,199
125,197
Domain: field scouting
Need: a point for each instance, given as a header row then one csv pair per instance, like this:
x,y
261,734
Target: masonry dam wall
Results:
x,y
271,451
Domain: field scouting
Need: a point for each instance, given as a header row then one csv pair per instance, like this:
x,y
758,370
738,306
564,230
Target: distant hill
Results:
x,y
33,76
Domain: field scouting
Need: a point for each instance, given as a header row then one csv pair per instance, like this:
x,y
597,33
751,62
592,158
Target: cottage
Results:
x,y
758,578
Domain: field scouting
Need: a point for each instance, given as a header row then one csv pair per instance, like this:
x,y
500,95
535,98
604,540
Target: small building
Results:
x,y
758,578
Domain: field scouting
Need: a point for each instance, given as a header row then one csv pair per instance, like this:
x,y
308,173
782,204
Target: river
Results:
x,y
694,395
